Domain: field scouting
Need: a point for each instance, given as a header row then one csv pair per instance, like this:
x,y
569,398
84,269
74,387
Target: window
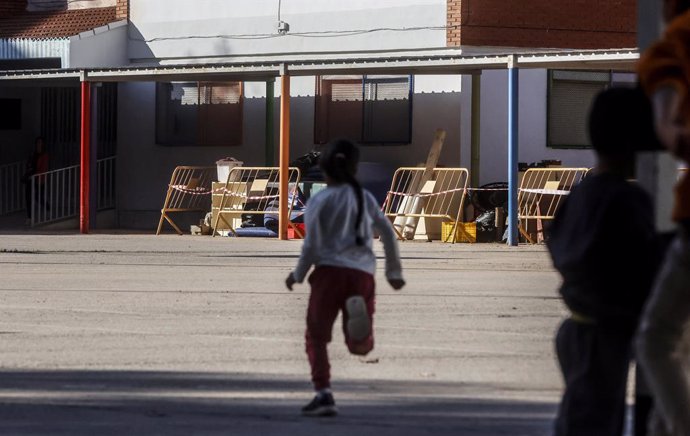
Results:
x,y
10,114
203,114
368,109
570,96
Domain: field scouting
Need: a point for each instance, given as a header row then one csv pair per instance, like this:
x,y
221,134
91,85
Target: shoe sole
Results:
x,y
322,411
358,323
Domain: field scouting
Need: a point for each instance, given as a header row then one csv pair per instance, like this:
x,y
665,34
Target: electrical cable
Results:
x,y
315,34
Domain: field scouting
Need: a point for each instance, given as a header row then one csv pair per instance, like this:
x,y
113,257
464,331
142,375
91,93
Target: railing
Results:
x,y
55,194
12,197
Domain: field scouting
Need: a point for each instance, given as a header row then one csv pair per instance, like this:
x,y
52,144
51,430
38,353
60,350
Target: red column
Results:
x,y
284,155
85,168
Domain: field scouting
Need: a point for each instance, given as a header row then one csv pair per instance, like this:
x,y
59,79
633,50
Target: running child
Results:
x,y
340,222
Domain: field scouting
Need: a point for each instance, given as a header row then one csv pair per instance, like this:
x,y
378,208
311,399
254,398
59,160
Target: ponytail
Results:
x,y
339,161
352,181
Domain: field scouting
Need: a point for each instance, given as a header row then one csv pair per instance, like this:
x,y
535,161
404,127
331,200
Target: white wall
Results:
x,y
247,27
532,125
162,31
104,46
144,168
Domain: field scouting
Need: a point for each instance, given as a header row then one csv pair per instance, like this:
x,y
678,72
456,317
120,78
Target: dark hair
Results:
x,y
339,161
621,122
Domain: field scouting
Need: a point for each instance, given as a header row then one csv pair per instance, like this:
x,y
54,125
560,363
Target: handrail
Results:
x,y
55,193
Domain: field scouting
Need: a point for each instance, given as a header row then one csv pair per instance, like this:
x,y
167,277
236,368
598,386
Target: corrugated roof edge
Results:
x,y
419,63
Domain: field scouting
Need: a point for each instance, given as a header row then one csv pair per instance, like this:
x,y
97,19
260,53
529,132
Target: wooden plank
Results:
x,y
407,226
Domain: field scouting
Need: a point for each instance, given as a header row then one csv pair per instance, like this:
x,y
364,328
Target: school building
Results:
x,y
187,82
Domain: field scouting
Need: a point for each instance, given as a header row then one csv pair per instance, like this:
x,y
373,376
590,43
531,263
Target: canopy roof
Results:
x,y
466,60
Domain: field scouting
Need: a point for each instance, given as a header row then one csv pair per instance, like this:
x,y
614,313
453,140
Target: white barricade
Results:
x,y
542,191
189,190
419,193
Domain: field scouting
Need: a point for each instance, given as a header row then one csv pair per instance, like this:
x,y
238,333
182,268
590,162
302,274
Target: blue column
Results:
x,y
513,93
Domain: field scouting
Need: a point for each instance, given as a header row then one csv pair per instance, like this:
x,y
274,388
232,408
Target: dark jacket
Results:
x,y
603,243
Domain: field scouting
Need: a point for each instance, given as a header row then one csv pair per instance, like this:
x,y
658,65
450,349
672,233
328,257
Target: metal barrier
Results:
x,y
540,195
12,198
420,193
189,190
253,190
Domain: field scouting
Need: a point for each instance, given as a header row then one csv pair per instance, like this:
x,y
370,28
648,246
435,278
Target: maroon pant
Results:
x,y
330,288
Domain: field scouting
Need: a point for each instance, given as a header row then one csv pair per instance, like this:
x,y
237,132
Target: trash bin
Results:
x,y
224,166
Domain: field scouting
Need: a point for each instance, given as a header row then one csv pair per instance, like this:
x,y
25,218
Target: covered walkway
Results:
x,y
267,68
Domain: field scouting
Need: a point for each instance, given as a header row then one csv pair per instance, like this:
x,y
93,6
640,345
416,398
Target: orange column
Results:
x,y
284,154
85,168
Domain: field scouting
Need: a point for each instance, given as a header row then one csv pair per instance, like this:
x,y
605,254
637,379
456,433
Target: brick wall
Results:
x,y
122,10
453,17
586,24
11,7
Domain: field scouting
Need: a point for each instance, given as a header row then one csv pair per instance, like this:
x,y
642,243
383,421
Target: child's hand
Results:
x,y
290,281
396,284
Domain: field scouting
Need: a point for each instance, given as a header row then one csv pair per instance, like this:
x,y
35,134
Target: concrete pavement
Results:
x,y
137,334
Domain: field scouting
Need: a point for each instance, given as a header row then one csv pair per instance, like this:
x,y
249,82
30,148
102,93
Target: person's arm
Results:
x,y
668,118
312,241
660,336
383,227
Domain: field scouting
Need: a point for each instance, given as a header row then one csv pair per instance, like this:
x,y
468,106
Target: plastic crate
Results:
x,y
468,235
292,234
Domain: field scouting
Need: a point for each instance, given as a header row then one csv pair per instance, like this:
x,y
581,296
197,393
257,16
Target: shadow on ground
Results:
x,y
172,403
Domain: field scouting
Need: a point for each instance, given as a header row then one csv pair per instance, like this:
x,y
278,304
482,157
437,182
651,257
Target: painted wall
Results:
x,y
532,125
16,145
145,168
161,32
102,47
245,27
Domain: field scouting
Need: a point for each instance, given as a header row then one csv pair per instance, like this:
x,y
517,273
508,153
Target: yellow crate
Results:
x,y
466,233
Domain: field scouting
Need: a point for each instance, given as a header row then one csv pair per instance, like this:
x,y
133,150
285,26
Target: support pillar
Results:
x,y
513,94
476,129
284,153
85,162
656,172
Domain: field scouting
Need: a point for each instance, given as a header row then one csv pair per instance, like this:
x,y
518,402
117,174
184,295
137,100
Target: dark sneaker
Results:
x,y
358,323
321,405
